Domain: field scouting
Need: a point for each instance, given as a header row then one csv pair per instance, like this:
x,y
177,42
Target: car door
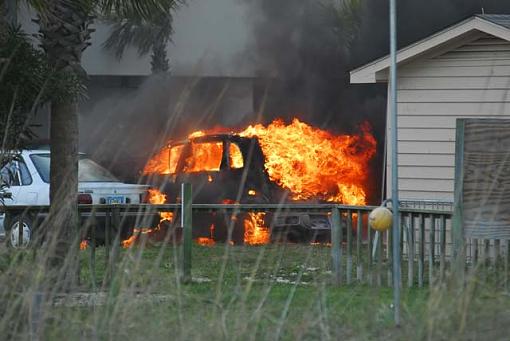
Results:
x,y
10,182
17,181
27,193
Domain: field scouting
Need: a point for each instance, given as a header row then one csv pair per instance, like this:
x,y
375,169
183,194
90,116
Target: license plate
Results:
x,y
115,200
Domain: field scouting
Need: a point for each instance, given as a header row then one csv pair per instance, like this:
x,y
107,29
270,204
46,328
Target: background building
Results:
x,y
211,74
462,71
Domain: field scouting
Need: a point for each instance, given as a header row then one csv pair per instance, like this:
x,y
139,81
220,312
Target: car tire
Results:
x,y
222,224
12,233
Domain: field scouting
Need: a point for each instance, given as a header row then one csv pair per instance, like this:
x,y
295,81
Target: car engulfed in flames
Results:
x,y
261,164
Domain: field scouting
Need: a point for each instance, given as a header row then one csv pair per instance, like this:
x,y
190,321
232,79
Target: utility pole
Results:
x,y
395,204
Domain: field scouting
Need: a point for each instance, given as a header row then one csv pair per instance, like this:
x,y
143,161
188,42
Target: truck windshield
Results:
x,y
88,170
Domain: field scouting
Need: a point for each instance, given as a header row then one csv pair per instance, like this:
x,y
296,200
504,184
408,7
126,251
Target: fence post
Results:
x,y
359,232
336,240
458,254
432,237
370,276
442,241
93,251
108,243
107,233
349,247
115,247
507,260
421,252
410,251
186,220
379,247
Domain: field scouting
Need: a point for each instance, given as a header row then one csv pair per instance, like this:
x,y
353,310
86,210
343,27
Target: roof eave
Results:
x,y
376,70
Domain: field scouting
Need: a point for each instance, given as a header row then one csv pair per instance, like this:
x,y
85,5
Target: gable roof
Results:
x,y
499,19
497,25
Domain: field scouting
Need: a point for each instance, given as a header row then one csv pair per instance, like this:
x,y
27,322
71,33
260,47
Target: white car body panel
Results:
x,y
38,191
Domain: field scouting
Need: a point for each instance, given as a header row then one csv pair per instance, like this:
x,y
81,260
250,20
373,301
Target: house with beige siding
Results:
x,y
462,71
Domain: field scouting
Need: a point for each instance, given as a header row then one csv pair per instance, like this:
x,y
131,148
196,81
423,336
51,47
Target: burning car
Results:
x,y
222,168
265,164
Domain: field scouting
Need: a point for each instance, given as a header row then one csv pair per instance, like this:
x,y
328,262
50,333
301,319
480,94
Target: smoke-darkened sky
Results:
x,y
303,44
416,20
301,56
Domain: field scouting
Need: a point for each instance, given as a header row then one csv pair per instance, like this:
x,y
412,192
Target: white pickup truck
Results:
x,y
27,179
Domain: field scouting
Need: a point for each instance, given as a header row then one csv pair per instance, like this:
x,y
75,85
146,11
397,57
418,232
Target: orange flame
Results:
x,y
84,244
131,240
205,156
196,134
205,241
236,157
155,197
313,163
164,162
255,233
309,162
159,163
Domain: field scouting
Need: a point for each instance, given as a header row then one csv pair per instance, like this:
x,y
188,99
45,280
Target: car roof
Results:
x,y
209,138
41,151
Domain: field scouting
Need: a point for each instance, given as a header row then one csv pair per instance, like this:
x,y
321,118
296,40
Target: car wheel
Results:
x,y
222,225
12,234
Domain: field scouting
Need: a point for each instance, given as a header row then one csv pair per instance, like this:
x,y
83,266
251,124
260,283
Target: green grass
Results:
x,y
259,293
247,293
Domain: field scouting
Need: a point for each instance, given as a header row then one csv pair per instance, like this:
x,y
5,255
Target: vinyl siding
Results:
x,y
470,81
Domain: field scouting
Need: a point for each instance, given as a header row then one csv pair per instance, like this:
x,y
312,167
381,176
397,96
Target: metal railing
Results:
x,y
442,205
424,242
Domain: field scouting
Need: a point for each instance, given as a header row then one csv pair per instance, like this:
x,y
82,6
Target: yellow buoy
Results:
x,y
380,219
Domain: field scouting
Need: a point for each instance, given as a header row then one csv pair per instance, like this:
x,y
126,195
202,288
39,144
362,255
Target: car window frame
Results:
x,y
113,178
19,162
228,150
180,159
37,166
188,151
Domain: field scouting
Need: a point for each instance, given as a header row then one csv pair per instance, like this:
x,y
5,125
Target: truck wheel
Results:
x,y
12,233
222,224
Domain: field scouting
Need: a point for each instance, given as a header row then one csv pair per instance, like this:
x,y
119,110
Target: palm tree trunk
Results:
x,y
64,34
159,59
64,218
11,11
3,21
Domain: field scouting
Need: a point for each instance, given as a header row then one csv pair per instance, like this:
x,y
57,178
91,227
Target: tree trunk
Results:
x,y
11,12
8,17
159,59
64,35
63,222
3,22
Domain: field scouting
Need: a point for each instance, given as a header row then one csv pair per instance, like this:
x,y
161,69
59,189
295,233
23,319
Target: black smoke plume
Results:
x,y
301,51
